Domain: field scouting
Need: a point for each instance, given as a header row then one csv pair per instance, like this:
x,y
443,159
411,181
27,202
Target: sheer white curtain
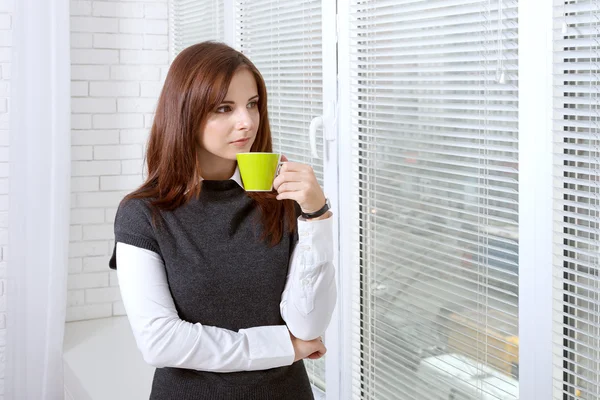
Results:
x,y
38,199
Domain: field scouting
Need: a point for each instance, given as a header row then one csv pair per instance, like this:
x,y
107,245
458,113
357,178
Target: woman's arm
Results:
x,y
167,341
310,292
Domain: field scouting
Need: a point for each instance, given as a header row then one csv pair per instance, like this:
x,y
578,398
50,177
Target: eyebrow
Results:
x,y
231,102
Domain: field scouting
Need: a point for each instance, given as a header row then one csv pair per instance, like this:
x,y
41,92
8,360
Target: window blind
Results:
x,y
283,40
434,87
577,200
194,21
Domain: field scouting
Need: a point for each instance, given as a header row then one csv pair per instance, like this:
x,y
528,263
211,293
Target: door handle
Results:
x,y
316,123
329,130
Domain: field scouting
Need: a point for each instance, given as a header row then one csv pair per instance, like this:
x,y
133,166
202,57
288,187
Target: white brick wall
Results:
x,y
6,11
119,56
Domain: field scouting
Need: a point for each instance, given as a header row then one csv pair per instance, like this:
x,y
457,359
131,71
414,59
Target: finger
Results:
x,y
319,346
323,349
284,158
318,354
294,166
291,187
287,177
297,196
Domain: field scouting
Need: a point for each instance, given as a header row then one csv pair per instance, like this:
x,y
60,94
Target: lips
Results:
x,y
240,142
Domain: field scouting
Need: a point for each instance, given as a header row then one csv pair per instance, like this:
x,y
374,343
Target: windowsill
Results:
x,y
101,361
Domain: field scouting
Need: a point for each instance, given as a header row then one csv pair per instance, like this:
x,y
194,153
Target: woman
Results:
x,y
226,291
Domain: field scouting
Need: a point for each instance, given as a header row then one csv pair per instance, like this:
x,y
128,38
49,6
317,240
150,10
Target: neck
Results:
x,y
214,168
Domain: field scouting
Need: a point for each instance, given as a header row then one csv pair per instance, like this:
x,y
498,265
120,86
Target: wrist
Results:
x,y
292,339
313,206
323,209
324,216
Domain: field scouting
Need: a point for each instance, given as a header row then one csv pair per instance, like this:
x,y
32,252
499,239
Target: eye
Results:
x,y
252,104
223,109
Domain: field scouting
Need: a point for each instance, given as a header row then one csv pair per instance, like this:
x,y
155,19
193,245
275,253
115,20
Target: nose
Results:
x,y
244,120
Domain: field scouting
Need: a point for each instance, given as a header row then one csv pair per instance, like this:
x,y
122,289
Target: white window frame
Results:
x,y
348,198
535,200
331,150
229,22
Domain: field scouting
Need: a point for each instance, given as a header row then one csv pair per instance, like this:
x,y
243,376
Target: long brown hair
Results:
x,y
196,84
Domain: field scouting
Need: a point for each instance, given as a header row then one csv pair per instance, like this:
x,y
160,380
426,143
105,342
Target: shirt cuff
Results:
x,y
269,347
315,239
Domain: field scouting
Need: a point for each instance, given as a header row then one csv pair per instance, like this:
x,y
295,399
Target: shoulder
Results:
x,y
133,212
135,208
134,224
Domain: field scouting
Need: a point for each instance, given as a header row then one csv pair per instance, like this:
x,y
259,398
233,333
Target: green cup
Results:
x,y
258,170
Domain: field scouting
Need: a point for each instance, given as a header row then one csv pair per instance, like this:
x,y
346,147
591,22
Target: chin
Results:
x,y
232,155
245,149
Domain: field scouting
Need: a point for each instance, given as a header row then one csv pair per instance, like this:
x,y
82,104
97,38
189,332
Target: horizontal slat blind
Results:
x,y
434,106
283,40
195,21
577,199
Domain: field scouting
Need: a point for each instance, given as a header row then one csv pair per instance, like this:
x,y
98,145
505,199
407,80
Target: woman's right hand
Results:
x,y
313,349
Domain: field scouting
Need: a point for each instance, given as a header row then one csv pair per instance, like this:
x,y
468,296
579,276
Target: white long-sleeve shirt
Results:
x,y
165,340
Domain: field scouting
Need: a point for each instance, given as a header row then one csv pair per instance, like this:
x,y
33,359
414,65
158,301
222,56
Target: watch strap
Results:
x,y
317,213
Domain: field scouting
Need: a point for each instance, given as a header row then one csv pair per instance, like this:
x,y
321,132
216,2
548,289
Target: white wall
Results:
x,y
119,58
6,11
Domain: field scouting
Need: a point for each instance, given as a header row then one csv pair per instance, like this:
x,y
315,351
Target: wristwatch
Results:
x,y
318,213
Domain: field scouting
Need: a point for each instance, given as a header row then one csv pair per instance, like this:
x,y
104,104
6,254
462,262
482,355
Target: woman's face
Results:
x,y
231,127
